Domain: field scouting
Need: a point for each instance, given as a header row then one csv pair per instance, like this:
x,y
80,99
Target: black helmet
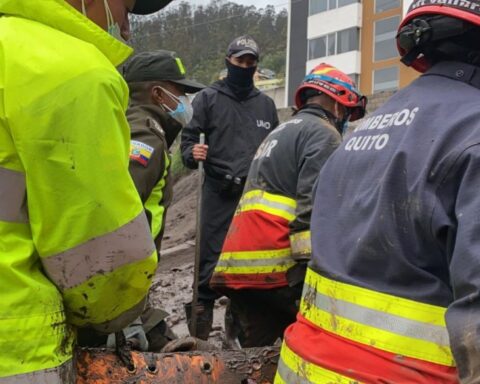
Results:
x,y
144,7
427,27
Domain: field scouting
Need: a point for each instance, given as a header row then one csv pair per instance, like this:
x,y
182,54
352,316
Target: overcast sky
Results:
x,y
278,4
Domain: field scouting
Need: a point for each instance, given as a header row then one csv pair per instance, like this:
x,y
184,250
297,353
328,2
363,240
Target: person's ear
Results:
x,y
157,95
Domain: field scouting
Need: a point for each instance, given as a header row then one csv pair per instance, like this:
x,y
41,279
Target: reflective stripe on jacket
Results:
x,y
270,231
409,340
257,250
154,202
401,218
75,246
152,133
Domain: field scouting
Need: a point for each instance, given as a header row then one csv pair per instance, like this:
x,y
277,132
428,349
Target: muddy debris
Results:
x,y
172,284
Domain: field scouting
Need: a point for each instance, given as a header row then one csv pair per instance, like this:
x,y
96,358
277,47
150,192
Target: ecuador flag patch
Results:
x,y
140,152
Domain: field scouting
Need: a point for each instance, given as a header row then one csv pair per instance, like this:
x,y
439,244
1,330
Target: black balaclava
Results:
x,y
240,80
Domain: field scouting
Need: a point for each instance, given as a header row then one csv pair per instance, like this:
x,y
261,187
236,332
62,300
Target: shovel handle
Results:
x,y
196,270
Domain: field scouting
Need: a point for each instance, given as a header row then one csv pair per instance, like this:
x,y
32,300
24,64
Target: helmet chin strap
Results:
x,y
337,111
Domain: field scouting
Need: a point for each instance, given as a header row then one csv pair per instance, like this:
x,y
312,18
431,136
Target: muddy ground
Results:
x,y
172,285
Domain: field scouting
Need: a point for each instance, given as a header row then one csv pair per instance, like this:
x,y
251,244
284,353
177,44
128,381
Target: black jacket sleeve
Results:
x,y
275,118
146,176
315,145
191,133
463,315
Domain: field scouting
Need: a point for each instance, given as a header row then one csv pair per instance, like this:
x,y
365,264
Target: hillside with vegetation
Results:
x,y
200,35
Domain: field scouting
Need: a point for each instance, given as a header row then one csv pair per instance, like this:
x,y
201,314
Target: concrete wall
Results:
x,y
277,94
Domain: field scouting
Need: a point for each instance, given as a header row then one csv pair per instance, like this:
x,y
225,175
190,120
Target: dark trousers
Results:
x,y
261,316
218,208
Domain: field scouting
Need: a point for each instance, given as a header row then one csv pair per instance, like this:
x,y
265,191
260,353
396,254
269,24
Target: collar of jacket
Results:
x,y
466,73
315,110
222,87
61,16
318,111
169,126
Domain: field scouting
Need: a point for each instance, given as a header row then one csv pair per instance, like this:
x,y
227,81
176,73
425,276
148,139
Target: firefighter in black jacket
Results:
x,y
264,257
392,291
235,117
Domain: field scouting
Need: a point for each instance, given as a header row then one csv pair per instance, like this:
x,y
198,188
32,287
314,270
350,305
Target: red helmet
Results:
x,y
336,84
468,11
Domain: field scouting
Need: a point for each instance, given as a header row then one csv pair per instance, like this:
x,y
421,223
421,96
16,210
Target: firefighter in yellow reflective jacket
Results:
x,y
264,256
75,247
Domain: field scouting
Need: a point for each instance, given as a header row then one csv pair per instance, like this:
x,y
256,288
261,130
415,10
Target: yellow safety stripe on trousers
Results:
x,y
301,243
249,262
293,369
12,196
268,202
390,323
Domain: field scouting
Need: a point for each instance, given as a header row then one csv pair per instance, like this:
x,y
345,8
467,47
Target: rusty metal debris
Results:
x,y
247,366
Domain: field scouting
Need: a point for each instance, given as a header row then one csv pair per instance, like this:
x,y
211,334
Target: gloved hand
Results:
x,y
186,344
134,334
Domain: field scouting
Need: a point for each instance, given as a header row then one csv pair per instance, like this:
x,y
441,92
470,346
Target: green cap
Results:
x,y
159,65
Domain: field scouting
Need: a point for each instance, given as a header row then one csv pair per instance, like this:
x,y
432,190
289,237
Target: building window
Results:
x,y
355,78
385,5
385,32
347,40
317,47
334,43
331,44
385,79
317,6
343,3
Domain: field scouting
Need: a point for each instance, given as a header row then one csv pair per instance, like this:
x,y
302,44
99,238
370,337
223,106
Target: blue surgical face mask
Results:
x,y
184,111
342,124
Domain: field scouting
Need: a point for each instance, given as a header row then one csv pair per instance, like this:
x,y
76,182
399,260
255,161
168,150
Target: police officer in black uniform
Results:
x,y
235,118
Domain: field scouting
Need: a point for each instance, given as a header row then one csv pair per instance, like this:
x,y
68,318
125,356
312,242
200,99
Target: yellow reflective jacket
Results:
x,y
75,247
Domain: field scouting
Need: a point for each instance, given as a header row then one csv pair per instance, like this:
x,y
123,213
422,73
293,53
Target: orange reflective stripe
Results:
x,y
12,196
388,322
101,255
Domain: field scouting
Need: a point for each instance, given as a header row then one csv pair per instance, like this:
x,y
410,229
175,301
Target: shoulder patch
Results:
x,y
140,152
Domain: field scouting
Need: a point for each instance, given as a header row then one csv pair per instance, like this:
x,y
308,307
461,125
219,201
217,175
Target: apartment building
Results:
x,y
356,36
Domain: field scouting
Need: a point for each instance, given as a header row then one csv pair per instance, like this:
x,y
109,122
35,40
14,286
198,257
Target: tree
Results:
x,y
200,35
